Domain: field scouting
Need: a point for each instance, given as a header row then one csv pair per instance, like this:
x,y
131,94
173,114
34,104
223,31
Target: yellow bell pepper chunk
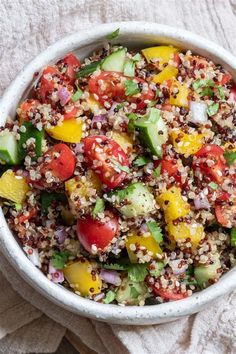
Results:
x,y
148,242
183,231
173,204
13,187
226,147
79,276
186,144
92,104
70,131
169,72
162,53
179,94
124,140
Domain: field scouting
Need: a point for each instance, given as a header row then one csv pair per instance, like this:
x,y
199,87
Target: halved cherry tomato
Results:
x,y
50,80
170,167
232,95
31,214
94,232
211,162
110,86
107,159
61,162
26,108
225,210
226,78
171,294
69,66
176,59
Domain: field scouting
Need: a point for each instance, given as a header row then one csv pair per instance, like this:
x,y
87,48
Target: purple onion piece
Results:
x,y
57,275
175,266
99,118
60,235
79,149
99,297
111,277
201,202
64,96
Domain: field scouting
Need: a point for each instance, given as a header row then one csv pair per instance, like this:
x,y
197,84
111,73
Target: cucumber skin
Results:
x,y
31,132
141,201
144,137
115,61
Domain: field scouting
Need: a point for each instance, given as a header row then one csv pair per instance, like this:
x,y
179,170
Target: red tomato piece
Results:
x,y
69,66
26,108
94,232
232,95
50,79
31,214
70,112
225,210
211,162
176,59
61,162
171,294
170,167
226,78
107,159
113,89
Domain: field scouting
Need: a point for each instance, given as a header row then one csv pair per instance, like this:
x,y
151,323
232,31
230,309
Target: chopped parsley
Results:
x,y
137,272
230,157
233,237
141,161
18,206
156,272
213,185
131,88
98,208
77,95
132,118
157,171
115,266
205,88
213,109
88,69
113,34
155,231
60,258
110,296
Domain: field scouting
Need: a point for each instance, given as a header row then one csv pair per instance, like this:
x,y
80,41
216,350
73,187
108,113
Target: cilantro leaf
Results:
x,y
98,208
131,88
213,185
137,57
141,161
207,91
60,258
88,69
113,34
18,206
221,92
110,296
115,266
137,272
132,118
129,68
157,171
230,157
155,231
119,106
213,109
156,272
77,95
198,84
233,237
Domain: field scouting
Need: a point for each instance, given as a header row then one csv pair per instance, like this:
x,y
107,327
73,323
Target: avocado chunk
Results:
x,y
129,292
203,274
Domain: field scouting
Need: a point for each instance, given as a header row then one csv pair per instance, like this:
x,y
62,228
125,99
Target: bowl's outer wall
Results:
x,y
137,35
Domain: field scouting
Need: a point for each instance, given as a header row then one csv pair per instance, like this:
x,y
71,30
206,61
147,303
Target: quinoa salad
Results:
x,y
118,174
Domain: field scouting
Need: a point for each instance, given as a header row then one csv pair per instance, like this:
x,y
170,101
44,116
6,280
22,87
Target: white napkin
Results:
x,y
29,322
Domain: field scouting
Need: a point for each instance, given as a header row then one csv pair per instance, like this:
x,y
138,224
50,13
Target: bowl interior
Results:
x,y
132,35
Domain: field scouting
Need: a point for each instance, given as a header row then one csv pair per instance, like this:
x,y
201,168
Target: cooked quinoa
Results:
x,y
118,174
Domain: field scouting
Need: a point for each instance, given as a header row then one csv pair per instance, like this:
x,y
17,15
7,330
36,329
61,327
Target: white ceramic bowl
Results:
x,y
132,34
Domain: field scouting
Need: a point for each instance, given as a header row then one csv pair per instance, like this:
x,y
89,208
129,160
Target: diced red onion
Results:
x,y
64,95
33,255
201,202
111,110
111,277
99,297
60,235
144,228
199,112
79,149
99,118
175,266
57,275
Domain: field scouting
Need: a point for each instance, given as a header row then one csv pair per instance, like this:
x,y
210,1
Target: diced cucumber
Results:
x,y
129,68
8,148
129,292
153,131
133,201
31,132
115,61
203,274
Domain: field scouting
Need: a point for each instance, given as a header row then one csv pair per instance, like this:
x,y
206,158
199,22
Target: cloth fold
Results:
x,y
28,321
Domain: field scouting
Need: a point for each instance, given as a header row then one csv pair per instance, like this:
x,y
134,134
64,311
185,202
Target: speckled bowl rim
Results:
x,y
150,33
